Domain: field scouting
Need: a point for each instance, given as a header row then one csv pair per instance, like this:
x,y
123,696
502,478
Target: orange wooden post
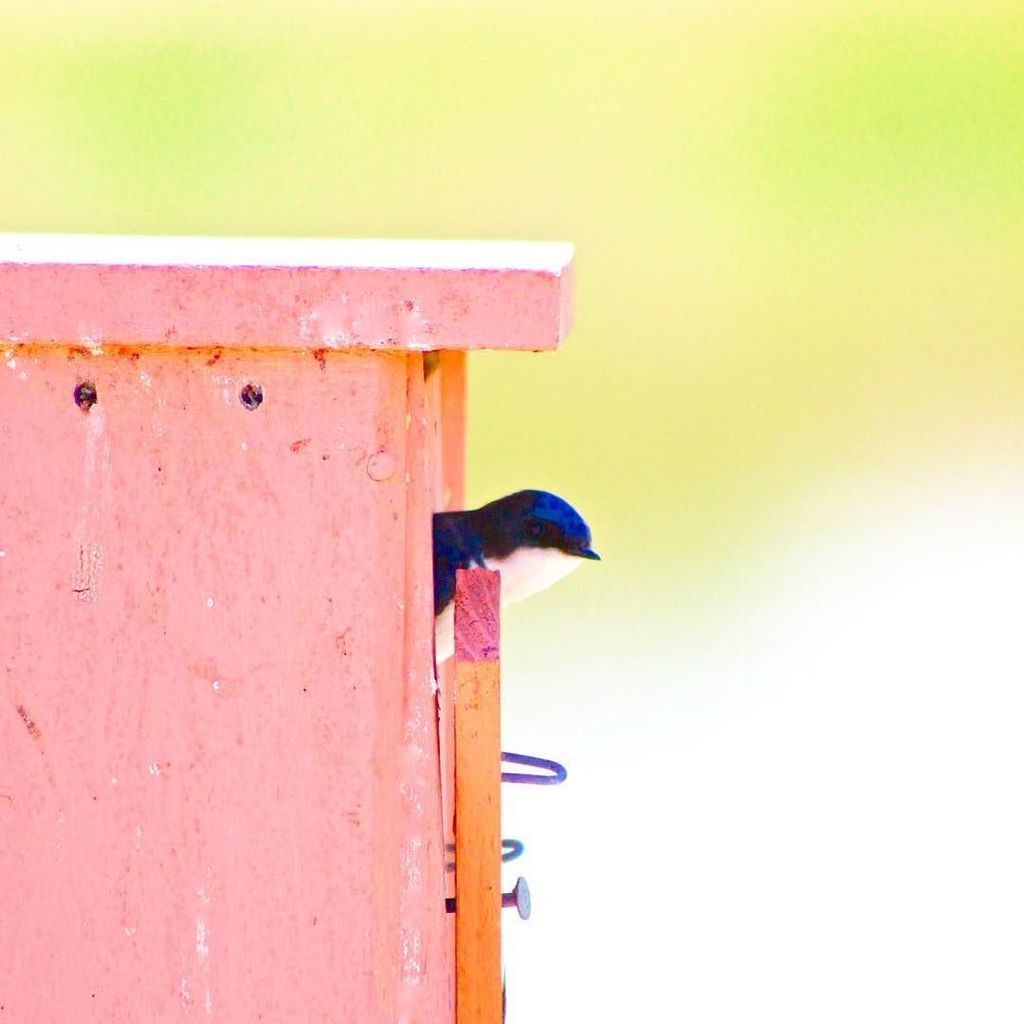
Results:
x,y
477,798
221,794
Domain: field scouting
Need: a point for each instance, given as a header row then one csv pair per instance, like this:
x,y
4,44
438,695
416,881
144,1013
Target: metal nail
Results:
x,y
519,898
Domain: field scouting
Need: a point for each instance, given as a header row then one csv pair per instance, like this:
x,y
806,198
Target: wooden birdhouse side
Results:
x,y
220,788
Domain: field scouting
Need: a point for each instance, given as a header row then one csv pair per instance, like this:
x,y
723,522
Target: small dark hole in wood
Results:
x,y
251,396
85,395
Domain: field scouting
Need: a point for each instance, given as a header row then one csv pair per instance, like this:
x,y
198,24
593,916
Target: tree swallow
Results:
x,y
532,537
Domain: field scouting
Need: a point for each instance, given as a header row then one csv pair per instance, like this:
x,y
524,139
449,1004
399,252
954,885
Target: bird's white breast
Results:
x,y
525,572
528,571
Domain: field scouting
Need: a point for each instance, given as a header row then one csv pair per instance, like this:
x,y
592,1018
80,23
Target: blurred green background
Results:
x,y
798,335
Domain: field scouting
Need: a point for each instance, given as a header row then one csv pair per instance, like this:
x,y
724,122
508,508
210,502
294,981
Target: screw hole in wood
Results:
x,y
85,395
251,396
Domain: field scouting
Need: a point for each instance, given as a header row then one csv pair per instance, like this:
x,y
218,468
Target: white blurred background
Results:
x,y
806,809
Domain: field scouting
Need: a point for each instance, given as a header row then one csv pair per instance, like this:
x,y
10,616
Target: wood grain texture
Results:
x,y
477,800
477,614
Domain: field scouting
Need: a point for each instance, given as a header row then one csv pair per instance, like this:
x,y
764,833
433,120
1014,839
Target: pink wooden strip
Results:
x,y
448,385
426,949
285,293
477,617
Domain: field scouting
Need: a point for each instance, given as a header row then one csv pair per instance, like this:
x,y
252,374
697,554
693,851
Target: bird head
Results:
x,y
536,519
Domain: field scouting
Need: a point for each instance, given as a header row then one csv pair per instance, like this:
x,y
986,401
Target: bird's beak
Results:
x,y
589,553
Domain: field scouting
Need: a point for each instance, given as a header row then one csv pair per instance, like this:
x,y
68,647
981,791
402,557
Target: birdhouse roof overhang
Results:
x,y
308,293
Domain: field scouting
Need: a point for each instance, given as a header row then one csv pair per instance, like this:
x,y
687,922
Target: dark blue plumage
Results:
x,y
490,535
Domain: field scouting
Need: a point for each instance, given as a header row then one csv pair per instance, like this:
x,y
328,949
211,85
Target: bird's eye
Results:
x,y
535,530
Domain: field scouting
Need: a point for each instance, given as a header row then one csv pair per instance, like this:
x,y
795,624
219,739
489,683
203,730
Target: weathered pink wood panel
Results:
x,y
292,293
217,782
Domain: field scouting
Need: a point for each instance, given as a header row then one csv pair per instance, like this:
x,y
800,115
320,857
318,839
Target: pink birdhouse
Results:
x,y
224,790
